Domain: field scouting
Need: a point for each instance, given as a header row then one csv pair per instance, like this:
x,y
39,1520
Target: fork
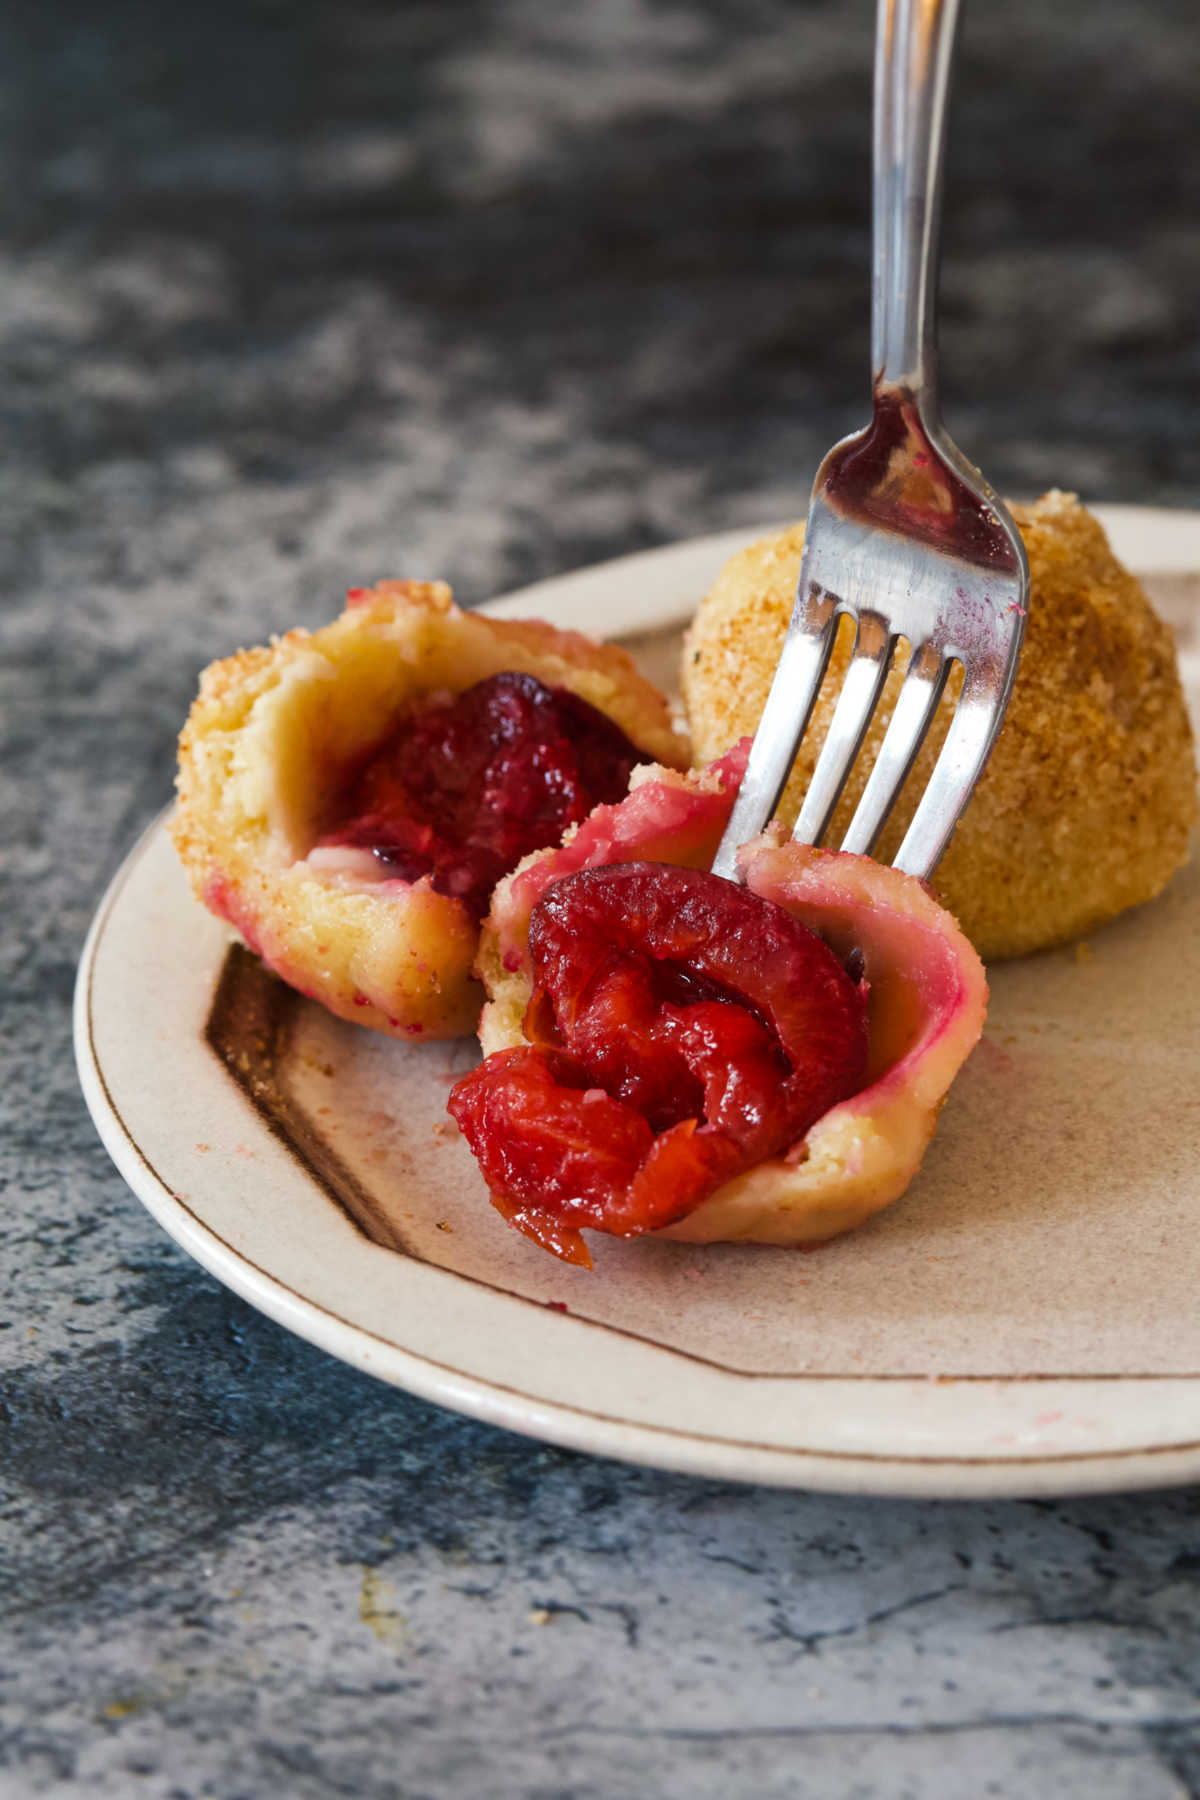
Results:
x,y
904,535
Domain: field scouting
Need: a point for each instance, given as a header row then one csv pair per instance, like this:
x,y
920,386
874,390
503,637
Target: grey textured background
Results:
x,y
297,295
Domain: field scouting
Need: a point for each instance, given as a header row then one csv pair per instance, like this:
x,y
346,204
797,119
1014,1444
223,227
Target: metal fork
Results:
x,y
904,534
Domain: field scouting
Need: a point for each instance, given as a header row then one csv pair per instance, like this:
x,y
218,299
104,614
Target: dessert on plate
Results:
x,y
416,806
349,798
1089,799
668,1052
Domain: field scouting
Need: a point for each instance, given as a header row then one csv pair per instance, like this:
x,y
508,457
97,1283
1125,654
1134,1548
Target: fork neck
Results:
x,y
914,43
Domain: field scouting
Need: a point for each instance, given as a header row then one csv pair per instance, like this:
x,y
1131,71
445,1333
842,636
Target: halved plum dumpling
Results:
x,y
348,800
704,1060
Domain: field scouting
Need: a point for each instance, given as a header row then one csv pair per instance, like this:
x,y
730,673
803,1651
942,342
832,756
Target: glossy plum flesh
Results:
x,y
681,1029
469,785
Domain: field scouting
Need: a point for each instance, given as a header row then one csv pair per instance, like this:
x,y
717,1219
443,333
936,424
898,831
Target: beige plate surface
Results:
x,y
1024,1322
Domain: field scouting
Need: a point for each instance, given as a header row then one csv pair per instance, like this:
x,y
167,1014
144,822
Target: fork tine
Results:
x,y
797,682
916,703
857,701
973,729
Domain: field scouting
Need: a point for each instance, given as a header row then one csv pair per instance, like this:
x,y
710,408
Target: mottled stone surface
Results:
x,y
297,295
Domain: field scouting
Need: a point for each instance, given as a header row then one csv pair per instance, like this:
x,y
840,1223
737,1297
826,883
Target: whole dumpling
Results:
x,y
1089,799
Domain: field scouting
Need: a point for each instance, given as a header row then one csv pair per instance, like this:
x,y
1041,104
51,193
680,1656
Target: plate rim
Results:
x,y
648,1444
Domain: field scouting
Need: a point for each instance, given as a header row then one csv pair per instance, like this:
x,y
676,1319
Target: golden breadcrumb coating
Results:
x,y
1089,799
269,739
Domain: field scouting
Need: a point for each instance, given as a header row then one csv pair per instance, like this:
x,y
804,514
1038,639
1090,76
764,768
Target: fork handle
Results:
x,y
914,43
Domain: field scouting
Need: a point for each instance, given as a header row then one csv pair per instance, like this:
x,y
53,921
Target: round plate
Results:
x,y
1023,1322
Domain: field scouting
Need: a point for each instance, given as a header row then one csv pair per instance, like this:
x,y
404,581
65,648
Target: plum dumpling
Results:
x,y
669,1052
349,798
1088,801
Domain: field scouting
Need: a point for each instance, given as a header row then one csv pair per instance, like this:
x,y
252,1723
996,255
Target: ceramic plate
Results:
x,y
1023,1322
